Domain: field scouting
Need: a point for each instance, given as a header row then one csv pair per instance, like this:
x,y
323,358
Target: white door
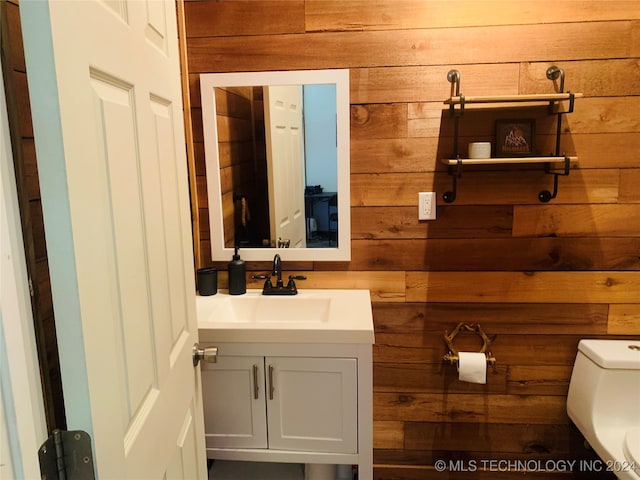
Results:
x,y
285,163
235,412
105,90
313,404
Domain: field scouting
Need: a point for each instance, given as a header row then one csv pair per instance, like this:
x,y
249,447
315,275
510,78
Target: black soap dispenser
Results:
x,y
237,275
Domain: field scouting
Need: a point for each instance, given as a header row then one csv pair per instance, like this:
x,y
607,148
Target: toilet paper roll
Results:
x,y
472,367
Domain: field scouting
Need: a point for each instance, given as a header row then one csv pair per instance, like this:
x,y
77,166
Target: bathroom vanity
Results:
x,y
293,377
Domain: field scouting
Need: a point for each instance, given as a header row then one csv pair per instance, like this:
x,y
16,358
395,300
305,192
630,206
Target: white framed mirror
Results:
x,y
277,163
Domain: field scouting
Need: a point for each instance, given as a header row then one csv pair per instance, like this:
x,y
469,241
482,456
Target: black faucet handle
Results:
x,y
292,285
266,278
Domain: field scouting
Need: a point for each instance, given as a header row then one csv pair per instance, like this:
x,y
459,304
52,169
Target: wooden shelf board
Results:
x,y
495,161
534,97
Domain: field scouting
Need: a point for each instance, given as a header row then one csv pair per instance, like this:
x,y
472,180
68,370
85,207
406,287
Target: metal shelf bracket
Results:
x,y
556,75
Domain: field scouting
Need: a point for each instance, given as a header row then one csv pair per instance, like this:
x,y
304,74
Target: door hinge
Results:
x,y
66,456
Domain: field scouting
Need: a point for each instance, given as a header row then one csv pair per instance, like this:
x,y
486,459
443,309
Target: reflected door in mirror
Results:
x,y
285,163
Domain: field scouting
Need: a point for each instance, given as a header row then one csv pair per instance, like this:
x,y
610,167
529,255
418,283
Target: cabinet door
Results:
x,y
312,404
234,403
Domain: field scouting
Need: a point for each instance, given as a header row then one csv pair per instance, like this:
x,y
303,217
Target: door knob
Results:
x,y
209,354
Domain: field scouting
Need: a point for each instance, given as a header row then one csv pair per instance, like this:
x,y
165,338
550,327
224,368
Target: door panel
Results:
x,y
125,248
285,163
315,404
105,90
234,404
182,464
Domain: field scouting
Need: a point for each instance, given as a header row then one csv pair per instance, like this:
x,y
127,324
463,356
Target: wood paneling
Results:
x,y
530,254
388,434
325,15
473,221
629,181
538,277
503,438
497,318
529,349
576,220
596,78
510,186
210,19
470,408
539,379
433,378
428,83
519,287
560,41
624,319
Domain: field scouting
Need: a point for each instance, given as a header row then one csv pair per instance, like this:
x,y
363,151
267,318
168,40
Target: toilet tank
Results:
x,y
605,384
612,354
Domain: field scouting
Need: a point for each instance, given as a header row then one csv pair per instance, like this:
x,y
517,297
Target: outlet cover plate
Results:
x,y
426,205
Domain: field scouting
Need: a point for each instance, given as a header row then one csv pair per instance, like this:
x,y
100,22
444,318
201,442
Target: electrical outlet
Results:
x,y
426,205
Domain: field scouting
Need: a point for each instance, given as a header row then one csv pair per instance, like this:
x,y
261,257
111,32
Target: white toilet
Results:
x,y
604,402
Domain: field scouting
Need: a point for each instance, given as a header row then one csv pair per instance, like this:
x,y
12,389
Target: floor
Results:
x,y
323,240
228,470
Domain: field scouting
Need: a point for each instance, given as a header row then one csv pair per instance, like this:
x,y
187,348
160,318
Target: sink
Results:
x,y
312,316
273,309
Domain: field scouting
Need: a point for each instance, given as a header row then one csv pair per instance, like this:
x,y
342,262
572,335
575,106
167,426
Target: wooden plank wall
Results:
x,y
241,147
235,137
538,276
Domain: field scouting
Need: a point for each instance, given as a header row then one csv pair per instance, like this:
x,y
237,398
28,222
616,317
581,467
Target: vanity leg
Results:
x,y
365,413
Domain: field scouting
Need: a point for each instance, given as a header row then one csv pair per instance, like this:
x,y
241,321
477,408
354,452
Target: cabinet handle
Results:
x,y
256,388
271,387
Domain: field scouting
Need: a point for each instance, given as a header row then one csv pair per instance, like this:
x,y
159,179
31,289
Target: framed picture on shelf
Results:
x,y
514,138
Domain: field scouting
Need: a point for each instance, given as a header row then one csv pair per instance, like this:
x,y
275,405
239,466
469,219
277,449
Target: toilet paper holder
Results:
x,y
452,356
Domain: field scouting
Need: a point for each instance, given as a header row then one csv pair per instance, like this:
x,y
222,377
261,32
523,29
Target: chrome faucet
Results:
x,y
279,288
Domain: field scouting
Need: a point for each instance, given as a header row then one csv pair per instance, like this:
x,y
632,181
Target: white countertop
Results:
x,y
311,316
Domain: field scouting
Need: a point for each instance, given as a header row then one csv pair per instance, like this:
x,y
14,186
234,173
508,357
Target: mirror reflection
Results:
x,y
276,149
287,134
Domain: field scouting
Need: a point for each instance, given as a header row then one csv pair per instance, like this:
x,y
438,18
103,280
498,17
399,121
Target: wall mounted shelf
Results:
x,y
534,97
457,104
494,161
